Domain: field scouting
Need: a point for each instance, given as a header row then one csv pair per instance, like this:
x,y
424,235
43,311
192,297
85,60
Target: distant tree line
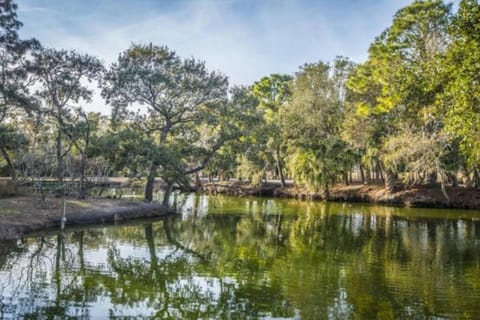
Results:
x,y
410,113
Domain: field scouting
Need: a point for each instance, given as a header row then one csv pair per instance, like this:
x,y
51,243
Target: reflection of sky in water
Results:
x,y
100,309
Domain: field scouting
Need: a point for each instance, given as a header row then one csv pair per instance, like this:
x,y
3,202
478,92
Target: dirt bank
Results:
x,y
418,196
22,215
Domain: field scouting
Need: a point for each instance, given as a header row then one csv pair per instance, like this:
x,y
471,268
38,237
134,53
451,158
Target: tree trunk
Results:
x,y
153,168
83,161
11,169
476,179
362,174
198,182
452,177
389,180
59,156
444,190
382,178
280,167
150,182
379,170
431,179
168,192
368,177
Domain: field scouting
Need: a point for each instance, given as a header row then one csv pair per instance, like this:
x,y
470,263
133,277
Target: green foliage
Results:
x,y
268,145
61,74
12,142
174,90
395,93
11,139
15,99
272,92
461,99
316,167
243,120
312,122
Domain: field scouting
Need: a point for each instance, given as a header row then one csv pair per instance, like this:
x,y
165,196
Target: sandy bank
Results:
x,y
22,215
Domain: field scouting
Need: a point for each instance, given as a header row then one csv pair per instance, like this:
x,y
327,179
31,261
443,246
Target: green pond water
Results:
x,y
252,258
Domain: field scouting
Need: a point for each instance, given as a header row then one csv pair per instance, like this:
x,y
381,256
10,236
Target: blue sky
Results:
x,y
245,39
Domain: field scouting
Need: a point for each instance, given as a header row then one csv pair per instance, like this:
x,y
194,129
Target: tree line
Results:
x,y
410,113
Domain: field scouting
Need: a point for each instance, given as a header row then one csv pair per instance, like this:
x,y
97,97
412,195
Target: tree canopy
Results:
x,y
408,114
184,108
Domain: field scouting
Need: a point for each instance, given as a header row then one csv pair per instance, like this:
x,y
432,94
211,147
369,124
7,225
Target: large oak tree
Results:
x,y
183,113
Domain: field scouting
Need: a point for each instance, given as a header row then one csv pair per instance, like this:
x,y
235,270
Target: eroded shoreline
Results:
x,y
415,197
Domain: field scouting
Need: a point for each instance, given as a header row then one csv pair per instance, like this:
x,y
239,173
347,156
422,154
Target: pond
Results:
x,y
237,258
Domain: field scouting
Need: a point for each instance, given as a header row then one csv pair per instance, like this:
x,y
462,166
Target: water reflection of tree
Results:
x,y
177,286
277,260
375,259
42,280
